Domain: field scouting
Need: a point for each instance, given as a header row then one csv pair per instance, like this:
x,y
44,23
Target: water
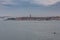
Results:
x,y
29,30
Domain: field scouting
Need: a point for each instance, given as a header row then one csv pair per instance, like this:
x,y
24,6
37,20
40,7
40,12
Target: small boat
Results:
x,y
54,33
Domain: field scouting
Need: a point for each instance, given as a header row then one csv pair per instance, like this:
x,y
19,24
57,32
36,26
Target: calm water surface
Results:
x,y
29,30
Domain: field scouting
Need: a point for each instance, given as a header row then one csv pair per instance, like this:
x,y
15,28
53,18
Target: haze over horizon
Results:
x,y
26,7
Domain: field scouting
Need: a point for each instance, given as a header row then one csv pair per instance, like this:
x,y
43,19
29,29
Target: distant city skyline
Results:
x,y
27,7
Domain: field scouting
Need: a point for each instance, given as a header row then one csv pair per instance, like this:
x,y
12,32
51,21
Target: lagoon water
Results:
x,y
29,30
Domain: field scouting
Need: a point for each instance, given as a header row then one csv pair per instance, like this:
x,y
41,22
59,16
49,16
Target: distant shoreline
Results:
x,y
34,18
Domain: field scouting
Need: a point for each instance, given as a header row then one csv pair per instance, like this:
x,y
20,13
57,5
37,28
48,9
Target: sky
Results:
x,y
27,7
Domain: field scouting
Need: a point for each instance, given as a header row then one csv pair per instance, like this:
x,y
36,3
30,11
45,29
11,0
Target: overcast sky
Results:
x,y
26,7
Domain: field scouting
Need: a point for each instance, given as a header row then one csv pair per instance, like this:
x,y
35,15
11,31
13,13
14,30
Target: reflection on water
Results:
x,y
29,30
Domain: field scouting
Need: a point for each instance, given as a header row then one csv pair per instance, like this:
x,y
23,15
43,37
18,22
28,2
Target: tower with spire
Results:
x,y
30,15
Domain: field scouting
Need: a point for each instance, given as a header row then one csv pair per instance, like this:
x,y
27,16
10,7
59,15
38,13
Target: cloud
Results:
x,y
45,2
7,2
19,2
